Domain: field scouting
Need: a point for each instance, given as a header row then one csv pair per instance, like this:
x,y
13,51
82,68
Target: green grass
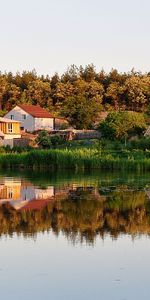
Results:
x,y
77,159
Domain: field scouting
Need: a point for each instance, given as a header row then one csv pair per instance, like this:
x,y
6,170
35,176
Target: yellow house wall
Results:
x,y
4,128
3,193
14,191
16,128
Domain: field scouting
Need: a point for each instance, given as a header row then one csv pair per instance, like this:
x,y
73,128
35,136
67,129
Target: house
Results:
x,y
19,192
9,130
31,117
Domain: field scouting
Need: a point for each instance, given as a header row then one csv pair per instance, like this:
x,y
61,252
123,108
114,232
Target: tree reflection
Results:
x,y
82,214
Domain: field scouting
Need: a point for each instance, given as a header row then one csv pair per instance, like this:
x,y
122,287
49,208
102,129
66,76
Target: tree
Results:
x,y
80,111
121,125
39,92
71,75
61,92
4,89
137,91
114,94
88,73
112,91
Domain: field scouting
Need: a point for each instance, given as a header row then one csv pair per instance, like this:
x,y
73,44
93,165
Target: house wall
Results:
x,y
11,136
61,124
44,123
3,127
10,192
44,193
21,142
18,114
27,193
9,139
9,142
15,128
30,123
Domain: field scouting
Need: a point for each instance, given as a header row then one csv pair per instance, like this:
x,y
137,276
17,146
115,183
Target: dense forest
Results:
x,y
79,93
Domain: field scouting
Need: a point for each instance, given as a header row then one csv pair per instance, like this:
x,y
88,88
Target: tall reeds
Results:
x,y
76,159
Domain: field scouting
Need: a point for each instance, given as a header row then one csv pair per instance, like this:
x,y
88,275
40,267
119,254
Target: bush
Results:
x,y
43,139
56,140
121,125
46,141
2,150
142,144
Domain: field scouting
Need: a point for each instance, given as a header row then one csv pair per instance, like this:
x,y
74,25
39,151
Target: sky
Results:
x,y
51,35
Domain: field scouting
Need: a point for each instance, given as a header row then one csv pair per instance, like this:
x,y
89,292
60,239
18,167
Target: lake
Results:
x,y
66,236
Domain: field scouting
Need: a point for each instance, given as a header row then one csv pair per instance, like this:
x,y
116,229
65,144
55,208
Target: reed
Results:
x,y
77,159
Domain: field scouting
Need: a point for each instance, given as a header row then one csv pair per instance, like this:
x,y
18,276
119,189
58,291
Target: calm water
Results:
x,y
74,236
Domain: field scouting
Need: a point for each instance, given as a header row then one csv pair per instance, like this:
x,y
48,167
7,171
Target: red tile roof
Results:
x,y
35,205
35,111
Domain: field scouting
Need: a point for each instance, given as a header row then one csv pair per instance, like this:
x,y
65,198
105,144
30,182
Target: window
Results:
x,y
12,117
10,127
10,193
24,117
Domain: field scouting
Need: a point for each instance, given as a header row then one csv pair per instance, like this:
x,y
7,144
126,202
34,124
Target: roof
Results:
x,y
6,120
35,205
36,111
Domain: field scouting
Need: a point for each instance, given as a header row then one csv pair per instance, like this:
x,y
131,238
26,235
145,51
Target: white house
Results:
x,y
31,117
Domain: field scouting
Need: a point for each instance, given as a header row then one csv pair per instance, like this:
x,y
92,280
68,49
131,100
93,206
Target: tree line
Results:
x,y
80,94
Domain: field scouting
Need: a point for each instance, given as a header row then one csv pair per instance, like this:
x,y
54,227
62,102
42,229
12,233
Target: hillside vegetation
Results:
x,y
79,94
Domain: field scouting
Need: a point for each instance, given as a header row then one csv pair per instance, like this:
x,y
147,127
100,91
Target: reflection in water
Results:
x,y
80,211
101,214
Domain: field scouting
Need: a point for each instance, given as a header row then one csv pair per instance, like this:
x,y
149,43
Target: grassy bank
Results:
x,y
77,159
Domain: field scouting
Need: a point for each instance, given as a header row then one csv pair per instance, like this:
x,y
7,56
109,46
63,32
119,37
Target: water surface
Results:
x,y
74,236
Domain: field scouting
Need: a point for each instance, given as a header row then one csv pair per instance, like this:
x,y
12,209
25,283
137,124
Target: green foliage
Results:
x,y
45,140
142,143
3,113
78,159
79,94
56,140
85,212
81,112
15,149
120,125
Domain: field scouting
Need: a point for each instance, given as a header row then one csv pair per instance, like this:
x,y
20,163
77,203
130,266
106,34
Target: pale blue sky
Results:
x,y
50,35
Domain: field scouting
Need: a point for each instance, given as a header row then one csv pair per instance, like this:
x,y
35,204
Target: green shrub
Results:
x,y
46,141
56,140
121,125
142,143
43,139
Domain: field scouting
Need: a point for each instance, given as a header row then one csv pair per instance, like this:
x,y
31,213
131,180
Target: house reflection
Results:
x,y
80,211
19,192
